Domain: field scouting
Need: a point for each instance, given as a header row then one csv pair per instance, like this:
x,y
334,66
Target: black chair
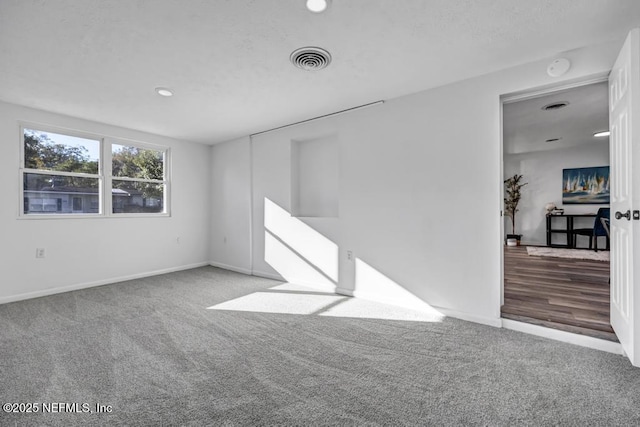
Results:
x,y
605,225
597,230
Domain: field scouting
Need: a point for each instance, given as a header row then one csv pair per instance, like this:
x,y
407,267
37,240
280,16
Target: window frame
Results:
x,y
109,178
104,174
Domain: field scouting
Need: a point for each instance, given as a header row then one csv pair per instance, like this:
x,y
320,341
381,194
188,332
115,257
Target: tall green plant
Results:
x,y
513,185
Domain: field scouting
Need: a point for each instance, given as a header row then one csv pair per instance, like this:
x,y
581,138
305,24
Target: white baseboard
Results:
x,y
343,291
268,275
484,320
62,289
247,271
568,337
230,267
421,306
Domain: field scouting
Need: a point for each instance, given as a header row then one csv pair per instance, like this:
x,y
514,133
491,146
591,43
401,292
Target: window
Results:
x,y
138,179
77,204
67,173
58,168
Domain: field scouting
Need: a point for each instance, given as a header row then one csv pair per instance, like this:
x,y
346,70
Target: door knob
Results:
x,y
627,215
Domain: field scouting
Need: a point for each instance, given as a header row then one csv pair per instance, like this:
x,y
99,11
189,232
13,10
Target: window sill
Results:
x,y
39,217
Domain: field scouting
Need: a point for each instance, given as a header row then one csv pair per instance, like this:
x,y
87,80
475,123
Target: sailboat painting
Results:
x,y
585,186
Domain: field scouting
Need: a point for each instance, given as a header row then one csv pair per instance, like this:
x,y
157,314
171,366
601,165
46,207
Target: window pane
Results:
x,y
56,152
56,194
137,197
133,162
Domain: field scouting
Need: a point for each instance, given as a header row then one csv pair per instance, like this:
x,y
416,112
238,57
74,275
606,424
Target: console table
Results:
x,y
567,230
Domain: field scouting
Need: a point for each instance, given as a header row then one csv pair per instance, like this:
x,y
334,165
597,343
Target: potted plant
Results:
x,y
513,185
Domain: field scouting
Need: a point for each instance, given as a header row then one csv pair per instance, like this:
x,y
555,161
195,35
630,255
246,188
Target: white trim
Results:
x,y
475,318
343,291
567,337
500,249
43,216
22,170
520,326
230,267
268,275
58,129
106,165
146,181
62,289
58,173
21,161
421,306
104,175
168,164
110,141
251,203
78,133
546,90
124,142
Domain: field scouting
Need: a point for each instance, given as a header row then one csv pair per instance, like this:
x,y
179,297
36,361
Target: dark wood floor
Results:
x,y
560,293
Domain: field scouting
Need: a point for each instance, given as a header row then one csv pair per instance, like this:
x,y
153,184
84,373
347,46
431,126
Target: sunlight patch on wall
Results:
x,y
373,285
297,251
291,266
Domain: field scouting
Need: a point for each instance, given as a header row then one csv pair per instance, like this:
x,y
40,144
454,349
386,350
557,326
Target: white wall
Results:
x,y
420,194
542,170
282,243
89,251
231,205
315,177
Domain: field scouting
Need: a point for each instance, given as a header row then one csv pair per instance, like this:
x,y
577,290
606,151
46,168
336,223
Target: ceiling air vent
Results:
x,y
555,106
553,140
310,58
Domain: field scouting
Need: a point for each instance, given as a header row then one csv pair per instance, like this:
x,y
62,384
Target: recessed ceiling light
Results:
x,y
163,91
317,6
601,134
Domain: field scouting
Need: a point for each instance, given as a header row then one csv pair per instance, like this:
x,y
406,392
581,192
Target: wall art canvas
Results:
x,y
585,186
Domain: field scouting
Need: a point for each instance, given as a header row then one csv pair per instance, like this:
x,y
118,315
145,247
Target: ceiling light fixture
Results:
x,y
317,6
601,134
558,67
163,91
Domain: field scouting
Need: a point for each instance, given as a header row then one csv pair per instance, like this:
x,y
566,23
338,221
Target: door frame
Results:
x,y
508,98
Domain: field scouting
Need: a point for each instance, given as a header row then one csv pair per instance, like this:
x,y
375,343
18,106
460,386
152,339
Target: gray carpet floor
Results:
x,y
153,350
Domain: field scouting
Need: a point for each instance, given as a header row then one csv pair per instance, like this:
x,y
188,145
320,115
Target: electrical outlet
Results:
x,y
350,255
40,253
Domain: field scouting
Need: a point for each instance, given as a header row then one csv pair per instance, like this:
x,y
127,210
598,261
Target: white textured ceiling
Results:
x,y
228,60
527,126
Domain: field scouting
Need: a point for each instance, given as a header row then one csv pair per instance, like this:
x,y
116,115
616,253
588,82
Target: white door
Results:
x,y
624,123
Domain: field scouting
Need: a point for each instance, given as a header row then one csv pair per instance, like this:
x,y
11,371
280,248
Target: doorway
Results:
x,y
552,278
